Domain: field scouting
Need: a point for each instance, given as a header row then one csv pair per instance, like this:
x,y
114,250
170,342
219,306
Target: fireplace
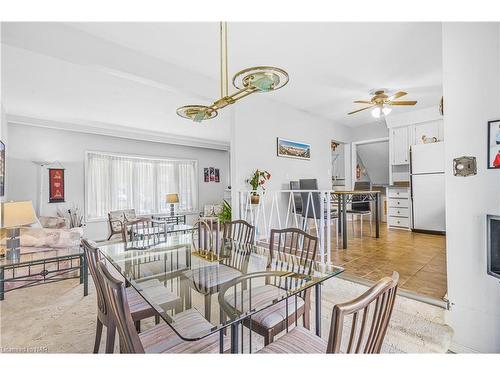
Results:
x,y
493,248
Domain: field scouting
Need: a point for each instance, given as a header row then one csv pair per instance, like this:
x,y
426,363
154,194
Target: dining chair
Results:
x,y
357,326
360,207
240,231
143,232
311,205
291,250
138,307
160,338
208,279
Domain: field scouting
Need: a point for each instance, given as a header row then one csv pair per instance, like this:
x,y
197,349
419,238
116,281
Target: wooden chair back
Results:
x,y
370,314
93,256
240,231
206,236
116,300
143,232
293,241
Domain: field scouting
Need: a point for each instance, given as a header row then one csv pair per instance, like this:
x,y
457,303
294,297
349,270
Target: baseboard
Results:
x,y
424,231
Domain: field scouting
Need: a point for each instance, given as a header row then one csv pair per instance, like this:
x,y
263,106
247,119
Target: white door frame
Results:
x,y
354,154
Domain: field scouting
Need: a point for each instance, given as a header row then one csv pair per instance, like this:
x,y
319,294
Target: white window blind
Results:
x,y
115,182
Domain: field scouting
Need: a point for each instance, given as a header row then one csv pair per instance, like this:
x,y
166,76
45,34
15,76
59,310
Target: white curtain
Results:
x,y
117,182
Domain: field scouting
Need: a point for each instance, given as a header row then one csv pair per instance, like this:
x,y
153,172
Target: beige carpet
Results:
x,y
56,318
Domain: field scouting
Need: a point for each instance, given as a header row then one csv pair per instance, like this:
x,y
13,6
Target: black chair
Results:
x,y
311,203
360,206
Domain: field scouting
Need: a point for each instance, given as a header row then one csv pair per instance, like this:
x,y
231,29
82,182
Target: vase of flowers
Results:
x,y
257,181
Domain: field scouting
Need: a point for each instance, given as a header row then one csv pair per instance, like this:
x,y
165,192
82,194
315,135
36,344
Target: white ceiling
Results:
x,y
159,66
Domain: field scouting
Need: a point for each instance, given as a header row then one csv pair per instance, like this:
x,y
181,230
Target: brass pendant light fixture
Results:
x,y
246,81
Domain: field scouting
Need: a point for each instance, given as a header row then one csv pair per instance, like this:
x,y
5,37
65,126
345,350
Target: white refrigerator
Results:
x,y
427,187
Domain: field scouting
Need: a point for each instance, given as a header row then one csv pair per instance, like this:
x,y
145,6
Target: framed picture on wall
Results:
x,y
206,175
494,144
56,185
212,174
217,175
293,149
2,169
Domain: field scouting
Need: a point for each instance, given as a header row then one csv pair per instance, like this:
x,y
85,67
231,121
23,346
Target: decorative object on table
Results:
x,y
206,174
247,81
225,215
381,102
15,215
172,199
426,139
73,214
494,144
464,166
56,185
2,169
441,106
217,175
292,149
257,181
212,174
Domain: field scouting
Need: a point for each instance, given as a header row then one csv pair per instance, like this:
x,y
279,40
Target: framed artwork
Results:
x,y
494,144
2,169
56,185
206,175
293,149
217,175
212,174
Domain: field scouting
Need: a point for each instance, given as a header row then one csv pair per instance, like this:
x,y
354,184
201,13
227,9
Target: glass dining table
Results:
x,y
218,284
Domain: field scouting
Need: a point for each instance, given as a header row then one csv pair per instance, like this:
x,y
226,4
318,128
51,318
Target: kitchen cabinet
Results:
x,y
400,146
399,208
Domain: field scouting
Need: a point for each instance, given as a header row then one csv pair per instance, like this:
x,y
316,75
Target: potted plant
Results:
x,y
225,214
257,181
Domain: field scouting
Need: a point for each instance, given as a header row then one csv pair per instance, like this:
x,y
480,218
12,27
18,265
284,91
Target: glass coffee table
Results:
x,y
42,267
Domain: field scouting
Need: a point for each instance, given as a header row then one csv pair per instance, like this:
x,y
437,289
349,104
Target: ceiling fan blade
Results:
x,y
363,101
399,94
402,102
359,110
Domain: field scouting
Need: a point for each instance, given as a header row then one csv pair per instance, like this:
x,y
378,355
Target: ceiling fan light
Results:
x,y
386,110
377,112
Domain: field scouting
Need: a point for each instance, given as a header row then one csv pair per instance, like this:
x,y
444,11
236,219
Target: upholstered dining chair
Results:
x,y
361,207
275,319
357,326
240,231
160,338
148,232
208,279
139,308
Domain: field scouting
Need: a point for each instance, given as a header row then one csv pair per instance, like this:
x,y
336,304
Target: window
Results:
x,y
116,182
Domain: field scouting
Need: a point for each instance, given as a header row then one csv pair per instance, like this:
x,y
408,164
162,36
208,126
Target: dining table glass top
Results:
x,y
218,287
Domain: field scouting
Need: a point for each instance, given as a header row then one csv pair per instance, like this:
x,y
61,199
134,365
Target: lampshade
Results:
x,y
381,110
173,198
16,214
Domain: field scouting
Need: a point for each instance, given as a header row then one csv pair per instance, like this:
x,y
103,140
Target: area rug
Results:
x,y
56,318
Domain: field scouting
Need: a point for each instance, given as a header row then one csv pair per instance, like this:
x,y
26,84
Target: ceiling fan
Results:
x,y
381,102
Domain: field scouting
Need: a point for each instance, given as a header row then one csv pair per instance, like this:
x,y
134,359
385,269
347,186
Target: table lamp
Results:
x,y
172,199
15,215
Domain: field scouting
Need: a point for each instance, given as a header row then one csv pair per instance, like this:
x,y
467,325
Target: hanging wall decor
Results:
x,y
494,144
206,175
217,175
56,185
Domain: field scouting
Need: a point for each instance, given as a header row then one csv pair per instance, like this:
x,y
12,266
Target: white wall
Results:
x,y
29,143
471,65
370,131
257,123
